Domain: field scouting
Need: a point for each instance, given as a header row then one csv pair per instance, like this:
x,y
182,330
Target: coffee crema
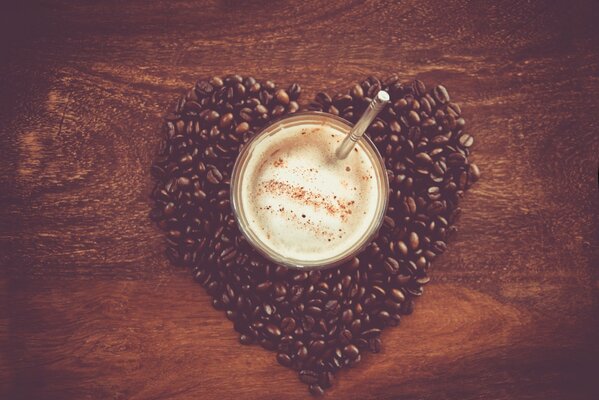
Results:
x,y
301,201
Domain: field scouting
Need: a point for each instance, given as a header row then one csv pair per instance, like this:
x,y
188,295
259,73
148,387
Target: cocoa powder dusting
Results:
x,y
333,205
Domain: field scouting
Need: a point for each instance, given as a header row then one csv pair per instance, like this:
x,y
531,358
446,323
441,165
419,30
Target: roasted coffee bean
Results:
x,y
204,89
323,99
183,181
278,110
294,91
308,376
474,172
374,345
351,352
302,353
391,266
246,339
214,176
292,107
356,92
326,379
273,331
414,118
226,120
402,248
264,286
317,347
414,240
284,359
242,128
398,295
347,316
288,325
423,158
440,94
418,88
456,159
466,140
282,97
345,336
322,320
316,390
261,110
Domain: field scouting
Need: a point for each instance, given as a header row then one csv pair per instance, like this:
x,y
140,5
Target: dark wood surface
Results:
x,y
91,309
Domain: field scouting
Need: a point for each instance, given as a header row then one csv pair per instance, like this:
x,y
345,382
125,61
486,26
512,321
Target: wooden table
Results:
x,y
91,309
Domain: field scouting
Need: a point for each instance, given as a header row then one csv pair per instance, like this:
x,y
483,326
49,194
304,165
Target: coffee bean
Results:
x,y
351,352
246,339
347,316
345,336
466,140
293,107
316,390
169,209
214,176
317,347
302,353
374,345
332,306
264,286
440,94
413,117
424,158
212,116
322,320
246,115
308,376
391,266
323,99
413,240
398,295
183,181
261,110
270,86
226,120
282,97
313,310
456,159
402,248
357,92
242,128
294,91
326,379
419,88
284,359
203,88
474,172
288,325
277,111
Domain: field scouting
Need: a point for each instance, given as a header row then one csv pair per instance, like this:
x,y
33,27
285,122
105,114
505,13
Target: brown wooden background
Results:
x,y
89,306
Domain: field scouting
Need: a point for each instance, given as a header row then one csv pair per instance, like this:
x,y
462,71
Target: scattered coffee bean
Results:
x,y
316,390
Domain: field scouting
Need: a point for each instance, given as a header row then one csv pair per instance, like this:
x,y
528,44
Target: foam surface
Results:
x,y
301,201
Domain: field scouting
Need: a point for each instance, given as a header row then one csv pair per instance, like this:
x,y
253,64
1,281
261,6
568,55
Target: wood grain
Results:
x,y
90,307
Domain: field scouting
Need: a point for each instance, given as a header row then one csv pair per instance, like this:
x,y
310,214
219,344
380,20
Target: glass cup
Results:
x,y
308,119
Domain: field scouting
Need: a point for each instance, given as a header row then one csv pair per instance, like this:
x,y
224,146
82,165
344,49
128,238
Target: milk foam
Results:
x,y
301,201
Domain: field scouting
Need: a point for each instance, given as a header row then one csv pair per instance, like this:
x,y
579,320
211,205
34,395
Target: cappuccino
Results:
x,y
303,203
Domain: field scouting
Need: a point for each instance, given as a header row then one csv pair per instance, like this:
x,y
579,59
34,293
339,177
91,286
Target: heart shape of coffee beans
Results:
x,y
318,321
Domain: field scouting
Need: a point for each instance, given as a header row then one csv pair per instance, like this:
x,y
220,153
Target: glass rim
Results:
x,y
269,252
